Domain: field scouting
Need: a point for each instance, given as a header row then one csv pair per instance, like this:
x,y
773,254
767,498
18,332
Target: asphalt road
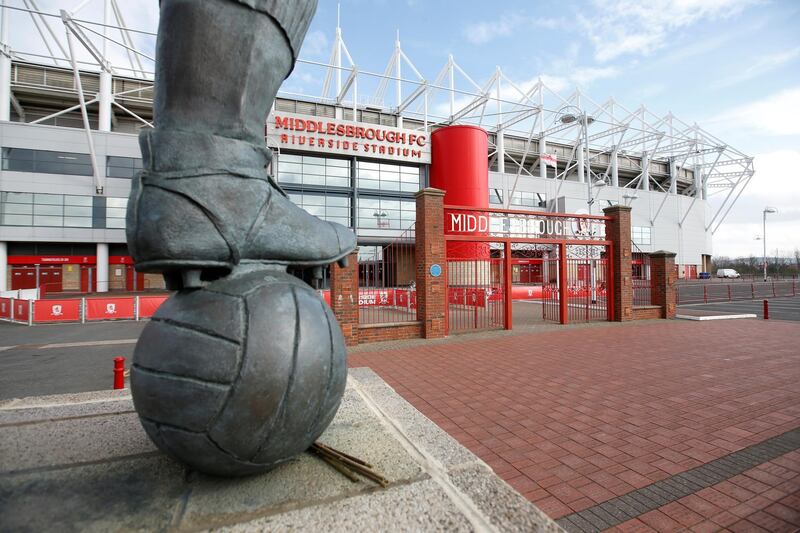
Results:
x,y
779,308
62,358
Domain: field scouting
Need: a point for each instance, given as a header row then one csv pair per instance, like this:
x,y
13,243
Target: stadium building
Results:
x,y
355,153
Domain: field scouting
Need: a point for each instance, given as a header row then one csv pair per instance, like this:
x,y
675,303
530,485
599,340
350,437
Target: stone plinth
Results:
x,y
82,462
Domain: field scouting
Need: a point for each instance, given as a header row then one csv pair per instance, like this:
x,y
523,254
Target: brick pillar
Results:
x,y
663,276
344,298
430,250
618,231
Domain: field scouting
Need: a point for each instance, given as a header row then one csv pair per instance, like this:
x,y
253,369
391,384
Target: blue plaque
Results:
x,y
436,270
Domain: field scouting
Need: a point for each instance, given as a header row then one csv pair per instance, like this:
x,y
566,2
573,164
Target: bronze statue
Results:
x,y
244,367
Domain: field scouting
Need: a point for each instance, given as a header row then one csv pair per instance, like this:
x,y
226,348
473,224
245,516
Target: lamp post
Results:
x,y
569,118
764,236
629,197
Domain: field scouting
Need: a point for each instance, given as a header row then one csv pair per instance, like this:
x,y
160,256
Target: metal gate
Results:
x,y
566,260
476,289
587,288
551,308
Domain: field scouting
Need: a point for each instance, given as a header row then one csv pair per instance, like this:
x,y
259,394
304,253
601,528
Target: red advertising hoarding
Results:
x,y
149,304
109,309
21,310
5,307
56,310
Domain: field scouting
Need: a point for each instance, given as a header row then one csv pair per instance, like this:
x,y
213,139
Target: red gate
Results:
x,y
485,248
476,291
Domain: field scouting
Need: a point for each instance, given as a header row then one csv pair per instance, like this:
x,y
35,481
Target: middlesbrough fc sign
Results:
x,y
331,136
523,225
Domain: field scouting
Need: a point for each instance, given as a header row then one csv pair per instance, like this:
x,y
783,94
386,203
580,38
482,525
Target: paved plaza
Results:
x,y
655,425
659,425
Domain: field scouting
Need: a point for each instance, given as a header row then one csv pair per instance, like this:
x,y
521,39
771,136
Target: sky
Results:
x,y
731,66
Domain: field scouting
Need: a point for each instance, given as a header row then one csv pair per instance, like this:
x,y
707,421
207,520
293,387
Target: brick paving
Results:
x,y
575,417
765,498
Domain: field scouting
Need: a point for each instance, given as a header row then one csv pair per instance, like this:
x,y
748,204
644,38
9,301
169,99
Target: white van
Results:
x,y
727,273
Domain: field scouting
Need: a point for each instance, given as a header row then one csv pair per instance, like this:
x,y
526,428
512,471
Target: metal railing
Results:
x,y
387,282
727,292
642,280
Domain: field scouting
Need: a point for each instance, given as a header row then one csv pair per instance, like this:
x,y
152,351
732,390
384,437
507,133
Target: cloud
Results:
x,y
761,66
483,32
486,31
315,45
777,114
620,27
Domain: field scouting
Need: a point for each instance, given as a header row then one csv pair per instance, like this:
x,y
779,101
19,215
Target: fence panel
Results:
x,y
709,292
586,289
387,282
110,309
550,299
5,308
642,281
475,293
56,311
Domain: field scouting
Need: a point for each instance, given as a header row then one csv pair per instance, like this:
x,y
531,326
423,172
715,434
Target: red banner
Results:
x,y
5,307
109,308
20,310
378,297
56,310
405,298
526,292
149,304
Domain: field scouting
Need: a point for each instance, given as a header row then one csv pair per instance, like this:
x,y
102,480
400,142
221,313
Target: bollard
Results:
x,y
766,309
119,372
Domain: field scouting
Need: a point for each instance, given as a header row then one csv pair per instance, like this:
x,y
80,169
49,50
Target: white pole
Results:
x,y
581,164
452,85
645,185
614,168
5,67
397,72
3,266
104,97
99,181
542,151
673,176
102,267
500,140
764,238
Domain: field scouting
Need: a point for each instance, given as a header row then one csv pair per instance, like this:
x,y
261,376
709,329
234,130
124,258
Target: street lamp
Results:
x,y
764,236
381,218
568,118
629,197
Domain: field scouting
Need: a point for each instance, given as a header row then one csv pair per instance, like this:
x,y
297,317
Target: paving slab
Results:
x,y
82,462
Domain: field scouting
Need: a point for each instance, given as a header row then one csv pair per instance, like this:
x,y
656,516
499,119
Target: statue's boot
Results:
x,y
205,201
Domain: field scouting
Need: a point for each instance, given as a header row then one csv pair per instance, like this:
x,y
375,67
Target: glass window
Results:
x,y
385,213
117,202
313,171
641,235
528,199
122,167
327,207
56,210
495,196
386,177
47,162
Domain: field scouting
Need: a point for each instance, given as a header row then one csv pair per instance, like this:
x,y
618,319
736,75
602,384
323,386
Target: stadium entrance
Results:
x,y
509,267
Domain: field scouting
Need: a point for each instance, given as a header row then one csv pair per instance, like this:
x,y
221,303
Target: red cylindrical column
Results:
x,y
119,372
460,167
